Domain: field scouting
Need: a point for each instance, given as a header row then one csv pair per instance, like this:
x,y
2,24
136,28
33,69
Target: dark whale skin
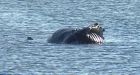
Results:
x,y
75,36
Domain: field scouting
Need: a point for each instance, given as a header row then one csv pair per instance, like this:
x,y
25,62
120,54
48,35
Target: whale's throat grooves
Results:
x,y
96,38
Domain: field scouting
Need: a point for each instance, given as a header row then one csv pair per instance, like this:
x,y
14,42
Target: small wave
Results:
x,y
119,40
113,40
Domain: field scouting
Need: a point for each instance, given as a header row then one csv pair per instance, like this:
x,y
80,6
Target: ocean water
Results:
x,y
118,55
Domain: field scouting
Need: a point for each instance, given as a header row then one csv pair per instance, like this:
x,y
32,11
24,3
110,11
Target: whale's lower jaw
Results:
x,y
95,38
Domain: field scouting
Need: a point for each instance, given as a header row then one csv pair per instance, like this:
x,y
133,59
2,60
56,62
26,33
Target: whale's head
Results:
x,y
94,33
97,29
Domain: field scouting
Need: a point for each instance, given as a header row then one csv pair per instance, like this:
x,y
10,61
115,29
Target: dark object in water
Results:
x,y
29,38
88,35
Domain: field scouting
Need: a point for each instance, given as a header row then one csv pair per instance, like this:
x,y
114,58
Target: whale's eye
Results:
x,y
98,26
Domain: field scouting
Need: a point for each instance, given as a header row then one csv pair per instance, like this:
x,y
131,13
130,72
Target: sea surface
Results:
x,y
39,19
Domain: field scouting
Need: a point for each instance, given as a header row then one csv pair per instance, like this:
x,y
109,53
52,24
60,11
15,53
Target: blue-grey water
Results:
x,y
118,55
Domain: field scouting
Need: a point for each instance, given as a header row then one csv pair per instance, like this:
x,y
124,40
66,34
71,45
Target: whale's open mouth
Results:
x,y
96,33
95,38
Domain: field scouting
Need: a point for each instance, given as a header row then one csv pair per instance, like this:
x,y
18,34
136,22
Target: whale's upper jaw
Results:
x,y
96,29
